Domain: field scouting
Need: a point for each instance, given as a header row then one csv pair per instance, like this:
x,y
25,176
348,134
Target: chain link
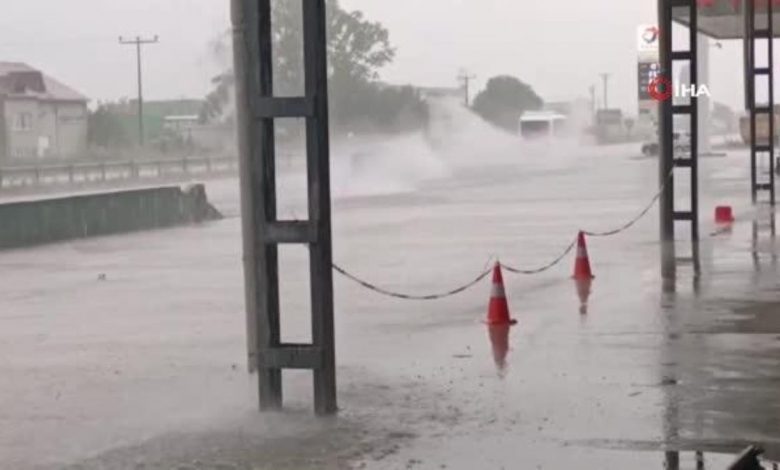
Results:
x,y
639,217
399,295
544,268
509,268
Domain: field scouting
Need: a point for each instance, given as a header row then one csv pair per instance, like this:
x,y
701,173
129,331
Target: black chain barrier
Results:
x,y
399,295
487,271
544,268
636,219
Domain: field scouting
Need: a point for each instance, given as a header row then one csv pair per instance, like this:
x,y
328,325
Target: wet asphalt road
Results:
x,y
146,369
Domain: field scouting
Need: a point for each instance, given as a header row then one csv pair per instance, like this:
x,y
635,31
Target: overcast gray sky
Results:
x,y
559,47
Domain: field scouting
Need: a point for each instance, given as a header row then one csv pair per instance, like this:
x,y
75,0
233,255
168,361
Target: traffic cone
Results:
x,y
582,263
498,309
724,215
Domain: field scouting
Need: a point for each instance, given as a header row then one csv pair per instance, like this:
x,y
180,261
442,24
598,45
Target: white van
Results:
x,y
542,124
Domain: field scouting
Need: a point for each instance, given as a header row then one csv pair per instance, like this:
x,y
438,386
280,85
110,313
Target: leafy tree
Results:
x,y
216,101
357,49
106,129
504,100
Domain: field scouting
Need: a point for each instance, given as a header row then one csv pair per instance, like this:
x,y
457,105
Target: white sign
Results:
x,y
647,38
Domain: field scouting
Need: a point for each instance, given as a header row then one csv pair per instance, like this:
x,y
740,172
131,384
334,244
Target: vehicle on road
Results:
x,y
682,144
762,128
542,125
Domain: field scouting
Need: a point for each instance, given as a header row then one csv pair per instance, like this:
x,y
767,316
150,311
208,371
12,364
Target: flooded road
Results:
x,y
129,351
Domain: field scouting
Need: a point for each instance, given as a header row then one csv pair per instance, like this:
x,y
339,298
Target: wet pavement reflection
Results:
x,y
499,343
584,290
718,385
764,234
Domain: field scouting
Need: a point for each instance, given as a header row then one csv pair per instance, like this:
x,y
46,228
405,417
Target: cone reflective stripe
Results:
x,y
582,263
497,291
498,308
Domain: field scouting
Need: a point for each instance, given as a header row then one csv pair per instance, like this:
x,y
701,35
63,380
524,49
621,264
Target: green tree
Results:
x,y
217,100
106,129
357,50
504,100
357,47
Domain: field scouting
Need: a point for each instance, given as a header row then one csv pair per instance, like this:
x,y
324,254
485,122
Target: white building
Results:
x,y
39,116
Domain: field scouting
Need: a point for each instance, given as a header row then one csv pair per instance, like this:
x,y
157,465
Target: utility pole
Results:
x,y
605,79
466,78
592,90
138,42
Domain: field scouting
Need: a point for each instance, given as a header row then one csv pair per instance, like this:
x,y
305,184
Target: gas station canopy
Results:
x,y
725,19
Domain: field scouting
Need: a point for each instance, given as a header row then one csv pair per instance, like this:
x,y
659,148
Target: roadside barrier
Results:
x,y
399,295
547,266
81,173
582,271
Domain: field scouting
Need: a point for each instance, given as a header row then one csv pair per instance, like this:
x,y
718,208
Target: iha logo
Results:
x,y
650,35
662,89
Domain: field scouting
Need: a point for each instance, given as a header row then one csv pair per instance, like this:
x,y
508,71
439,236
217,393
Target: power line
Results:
x,y
138,42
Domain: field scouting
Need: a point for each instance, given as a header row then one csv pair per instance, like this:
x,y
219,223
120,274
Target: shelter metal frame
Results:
x,y
669,164
687,12
754,70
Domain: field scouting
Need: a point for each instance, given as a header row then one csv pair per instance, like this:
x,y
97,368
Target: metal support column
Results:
x,y
669,163
262,231
764,149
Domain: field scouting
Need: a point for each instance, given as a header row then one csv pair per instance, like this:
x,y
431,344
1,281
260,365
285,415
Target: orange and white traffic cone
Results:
x,y
582,269
498,309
